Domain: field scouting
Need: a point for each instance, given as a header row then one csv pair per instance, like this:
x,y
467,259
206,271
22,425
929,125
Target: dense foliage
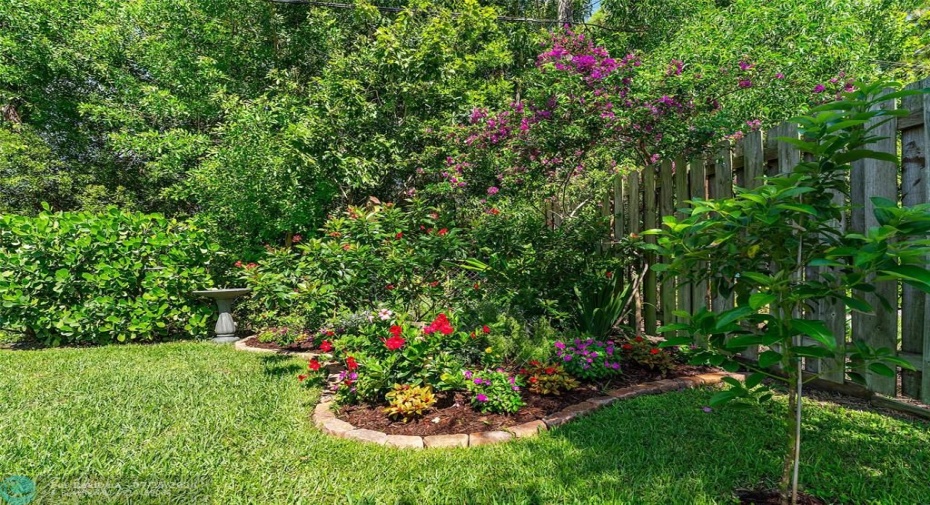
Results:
x,y
262,117
117,276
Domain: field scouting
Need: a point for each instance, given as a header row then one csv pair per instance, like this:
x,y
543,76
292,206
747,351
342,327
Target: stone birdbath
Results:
x,y
225,325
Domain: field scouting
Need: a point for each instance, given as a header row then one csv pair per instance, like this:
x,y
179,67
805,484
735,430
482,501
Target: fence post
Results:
x,y
681,194
650,294
635,211
666,208
876,178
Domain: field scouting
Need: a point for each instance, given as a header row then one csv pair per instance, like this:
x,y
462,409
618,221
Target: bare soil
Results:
x,y
300,346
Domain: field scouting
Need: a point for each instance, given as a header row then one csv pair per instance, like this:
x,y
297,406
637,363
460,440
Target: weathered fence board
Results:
x,y
640,200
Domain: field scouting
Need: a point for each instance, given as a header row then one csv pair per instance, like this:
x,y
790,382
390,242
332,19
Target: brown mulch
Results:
x,y
301,346
453,414
772,497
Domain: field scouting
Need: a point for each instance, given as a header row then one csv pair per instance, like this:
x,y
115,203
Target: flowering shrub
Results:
x,y
394,351
494,391
409,402
643,352
382,255
589,358
315,375
547,379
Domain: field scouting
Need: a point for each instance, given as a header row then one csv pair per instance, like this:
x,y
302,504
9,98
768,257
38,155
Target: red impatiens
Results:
x,y
396,330
326,346
394,343
486,329
351,364
301,378
440,324
314,365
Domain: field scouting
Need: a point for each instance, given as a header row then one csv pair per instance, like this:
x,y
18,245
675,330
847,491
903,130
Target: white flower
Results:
x,y
385,314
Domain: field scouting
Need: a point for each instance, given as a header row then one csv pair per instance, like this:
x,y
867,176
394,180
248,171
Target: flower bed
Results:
x,y
327,420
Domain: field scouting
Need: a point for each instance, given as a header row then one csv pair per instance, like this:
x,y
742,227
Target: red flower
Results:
x,y
314,365
396,330
494,211
346,247
296,238
533,380
399,236
550,370
434,284
442,232
326,346
252,265
394,343
238,264
389,287
653,351
609,275
351,364
335,234
477,285
472,335
330,333
627,347
440,324
485,329
301,378
639,339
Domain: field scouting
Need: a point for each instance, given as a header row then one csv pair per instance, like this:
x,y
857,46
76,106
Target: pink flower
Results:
x,y
482,398
820,88
493,190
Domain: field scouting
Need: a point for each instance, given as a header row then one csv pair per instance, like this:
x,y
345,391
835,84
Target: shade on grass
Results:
x,y
234,426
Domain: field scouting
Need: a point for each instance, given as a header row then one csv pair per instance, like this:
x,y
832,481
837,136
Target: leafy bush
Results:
x,y
548,378
396,352
409,402
600,306
379,256
494,391
117,276
589,358
643,352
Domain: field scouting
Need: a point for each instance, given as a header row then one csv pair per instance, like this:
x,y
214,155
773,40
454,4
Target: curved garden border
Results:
x,y
326,420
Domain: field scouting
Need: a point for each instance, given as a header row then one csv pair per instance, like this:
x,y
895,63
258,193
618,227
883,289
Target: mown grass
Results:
x,y
205,421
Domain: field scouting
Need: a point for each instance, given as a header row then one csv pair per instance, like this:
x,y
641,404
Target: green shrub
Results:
x,y
494,391
379,256
117,276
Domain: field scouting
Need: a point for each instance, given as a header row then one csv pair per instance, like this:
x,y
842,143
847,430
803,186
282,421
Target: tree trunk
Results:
x,y
565,12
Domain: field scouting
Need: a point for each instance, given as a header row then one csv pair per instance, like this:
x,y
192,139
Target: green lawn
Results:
x,y
199,419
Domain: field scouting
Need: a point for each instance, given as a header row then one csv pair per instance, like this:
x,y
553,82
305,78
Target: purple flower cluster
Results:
x,y
571,52
588,358
494,391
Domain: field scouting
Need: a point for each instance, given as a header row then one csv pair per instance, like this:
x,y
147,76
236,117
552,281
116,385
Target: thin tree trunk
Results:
x,y
565,12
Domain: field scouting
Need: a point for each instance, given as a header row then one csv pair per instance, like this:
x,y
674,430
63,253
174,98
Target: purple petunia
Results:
x,y
481,398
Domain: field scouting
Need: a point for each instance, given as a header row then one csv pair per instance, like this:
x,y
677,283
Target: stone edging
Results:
x,y
326,420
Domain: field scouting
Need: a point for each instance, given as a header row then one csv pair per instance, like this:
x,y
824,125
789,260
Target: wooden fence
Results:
x,y
639,201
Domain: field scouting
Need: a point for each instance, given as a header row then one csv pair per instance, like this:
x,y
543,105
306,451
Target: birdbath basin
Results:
x,y
225,325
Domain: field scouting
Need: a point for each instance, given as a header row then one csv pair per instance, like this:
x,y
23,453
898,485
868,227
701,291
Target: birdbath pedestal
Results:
x,y
225,325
